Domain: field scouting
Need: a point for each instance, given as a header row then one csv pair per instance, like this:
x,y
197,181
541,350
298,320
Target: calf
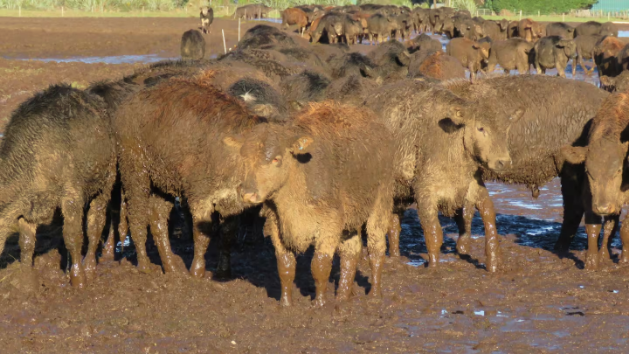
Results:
x,y
292,16
197,116
554,52
585,50
58,151
471,54
560,29
311,176
510,54
596,28
605,160
442,141
530,30
192,45
437,65
605,56
207,17
556,113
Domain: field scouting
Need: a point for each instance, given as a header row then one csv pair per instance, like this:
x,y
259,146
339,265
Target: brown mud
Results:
x,y
536,302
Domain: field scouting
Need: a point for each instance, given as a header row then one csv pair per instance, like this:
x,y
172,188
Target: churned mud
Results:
x,y
536,303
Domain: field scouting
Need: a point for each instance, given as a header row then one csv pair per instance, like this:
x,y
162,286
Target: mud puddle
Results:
x,y
117,59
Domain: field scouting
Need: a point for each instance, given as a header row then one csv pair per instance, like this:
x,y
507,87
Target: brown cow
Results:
x,y
530,30
605,158
322,177
470,53
442,142
297,17
438,66
198,166
605,53
510,54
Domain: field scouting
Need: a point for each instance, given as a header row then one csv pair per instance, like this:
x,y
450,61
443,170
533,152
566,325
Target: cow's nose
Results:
x,y
604,209
249,196
502,164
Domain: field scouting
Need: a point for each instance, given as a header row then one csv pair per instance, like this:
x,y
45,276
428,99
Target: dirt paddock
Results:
x,y
536,303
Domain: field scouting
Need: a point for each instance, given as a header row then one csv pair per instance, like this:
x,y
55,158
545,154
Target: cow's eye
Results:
x,y
481,129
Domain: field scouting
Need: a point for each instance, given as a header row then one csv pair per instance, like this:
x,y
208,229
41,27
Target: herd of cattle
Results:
x,y
321,142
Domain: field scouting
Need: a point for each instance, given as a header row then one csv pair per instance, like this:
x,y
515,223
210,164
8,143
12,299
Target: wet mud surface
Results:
x,y
537,302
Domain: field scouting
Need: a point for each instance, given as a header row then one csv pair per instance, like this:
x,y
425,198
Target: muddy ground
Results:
x,y
536,303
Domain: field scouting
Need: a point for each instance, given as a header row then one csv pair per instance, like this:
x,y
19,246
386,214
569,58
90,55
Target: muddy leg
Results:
x,y
321,267
160,211
201,242
109,247
394,235
593,230
624,237
464,222
349,252
123,226
433,234
27,241
610,226
573,212
492,246
286,263
376,243
229,228
72,209
96,219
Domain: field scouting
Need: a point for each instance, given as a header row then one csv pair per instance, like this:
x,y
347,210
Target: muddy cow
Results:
x,y
306,174
200,168
380,27
58,151
492,30
307,86
593,27
392,60
262,36
471,54
404,26
530,30
511,54
605,161
605,55
192,45
512,31
452,138
354,64
261,98
585,51
297,17
619,83
353,29
207,17
424,42
421,21
554,52
556,113
439,66
352,89
622,59
560,29
471,30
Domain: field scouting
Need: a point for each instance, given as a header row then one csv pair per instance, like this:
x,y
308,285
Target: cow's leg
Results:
x,y
159,213
486,209
286,263
321,266
433,234
28,237
201,242
72,209
394,235
624,237
96,219
571,191
229,228
610,226
593,231
349,252
377,224
465,228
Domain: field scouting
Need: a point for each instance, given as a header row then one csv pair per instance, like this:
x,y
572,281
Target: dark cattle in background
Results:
x,y
554,52
560,29
512,54
207,17
594,27
192,45
586,45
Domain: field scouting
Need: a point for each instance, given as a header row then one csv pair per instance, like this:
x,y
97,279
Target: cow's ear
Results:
x,y
574,154
458,115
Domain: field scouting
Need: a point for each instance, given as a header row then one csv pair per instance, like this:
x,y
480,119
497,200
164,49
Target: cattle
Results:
x,y
556,113
297,17
596,28
392,60
311,177
149,163
58,151
554,52
424,42
437,65
207,17
472,55
585,50
512,54
192,45
530,30
442,141
560,29
380,27
619,83
605,56
605,161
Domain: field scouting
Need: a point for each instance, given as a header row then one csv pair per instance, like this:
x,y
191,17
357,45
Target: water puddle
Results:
x,y
118,59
